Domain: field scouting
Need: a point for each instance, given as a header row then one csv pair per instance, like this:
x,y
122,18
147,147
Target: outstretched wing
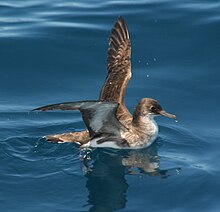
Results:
x,y
99,117
118,64
63,106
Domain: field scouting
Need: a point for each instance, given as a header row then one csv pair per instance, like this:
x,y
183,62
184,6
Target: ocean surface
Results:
x,y
55,51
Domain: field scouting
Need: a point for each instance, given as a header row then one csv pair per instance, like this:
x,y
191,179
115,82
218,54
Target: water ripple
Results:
x,y
55,51
33,18
36,151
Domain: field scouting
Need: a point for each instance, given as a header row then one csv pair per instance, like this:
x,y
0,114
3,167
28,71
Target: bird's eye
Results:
x,y
153,108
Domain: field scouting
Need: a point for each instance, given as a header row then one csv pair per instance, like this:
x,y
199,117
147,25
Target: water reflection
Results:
x,y
105,170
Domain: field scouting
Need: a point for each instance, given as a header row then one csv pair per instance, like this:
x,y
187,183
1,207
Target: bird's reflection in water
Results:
x,y
105,170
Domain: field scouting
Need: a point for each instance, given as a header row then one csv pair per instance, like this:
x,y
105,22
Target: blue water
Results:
x,y
55,51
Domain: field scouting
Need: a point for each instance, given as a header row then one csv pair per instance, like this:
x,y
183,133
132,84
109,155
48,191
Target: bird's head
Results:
x,y
151,108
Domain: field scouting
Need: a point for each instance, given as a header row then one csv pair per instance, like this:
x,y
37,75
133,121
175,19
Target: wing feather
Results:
x,y
118,64
99,117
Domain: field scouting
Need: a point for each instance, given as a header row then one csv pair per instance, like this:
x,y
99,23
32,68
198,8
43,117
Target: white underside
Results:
x,y
111,144
107,144
153,131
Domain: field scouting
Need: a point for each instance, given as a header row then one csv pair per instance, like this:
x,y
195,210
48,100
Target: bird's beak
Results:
x,y
164,113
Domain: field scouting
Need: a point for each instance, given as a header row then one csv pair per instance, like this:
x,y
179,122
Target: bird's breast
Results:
x,y
142,135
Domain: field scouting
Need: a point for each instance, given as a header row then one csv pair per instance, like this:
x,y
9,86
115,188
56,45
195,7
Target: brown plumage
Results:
x,y
118,64
119,69
108,121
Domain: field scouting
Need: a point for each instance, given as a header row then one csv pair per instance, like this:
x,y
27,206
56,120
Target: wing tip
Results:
x,y
119,32
121,20
37,109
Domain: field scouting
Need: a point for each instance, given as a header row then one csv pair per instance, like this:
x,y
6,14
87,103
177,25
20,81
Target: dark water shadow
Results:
x,y
106,171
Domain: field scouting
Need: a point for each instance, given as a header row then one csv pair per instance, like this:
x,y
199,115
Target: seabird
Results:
x,y
108,120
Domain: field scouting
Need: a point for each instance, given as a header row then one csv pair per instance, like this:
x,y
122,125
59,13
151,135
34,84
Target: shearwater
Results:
x,y
108,120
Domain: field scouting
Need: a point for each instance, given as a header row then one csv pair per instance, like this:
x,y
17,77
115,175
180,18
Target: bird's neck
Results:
x,y
147,128
142,120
